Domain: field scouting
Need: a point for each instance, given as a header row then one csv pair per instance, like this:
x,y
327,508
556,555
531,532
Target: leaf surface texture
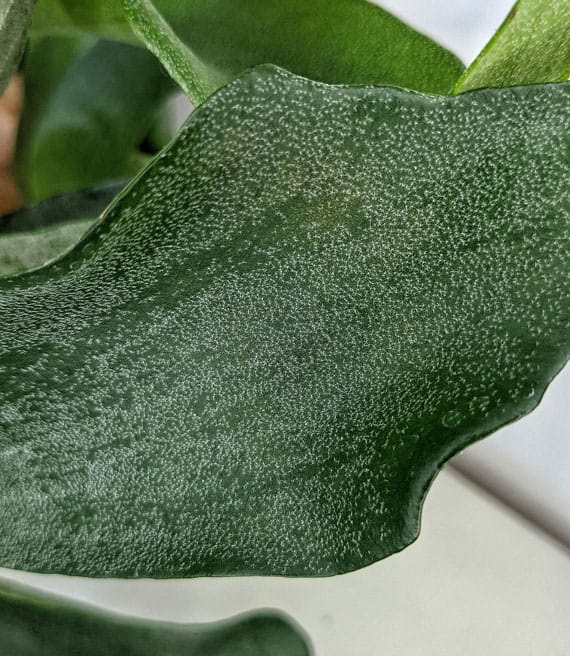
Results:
x,y
15,17
259,358
532,45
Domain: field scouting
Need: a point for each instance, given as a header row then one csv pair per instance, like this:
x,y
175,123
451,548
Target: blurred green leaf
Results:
x,y
342,42
67,17
46,63
88,116
262,354
532,45
37,624
15,16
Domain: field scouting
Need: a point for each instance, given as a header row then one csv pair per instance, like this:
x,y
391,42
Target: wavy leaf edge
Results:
x,y
413,526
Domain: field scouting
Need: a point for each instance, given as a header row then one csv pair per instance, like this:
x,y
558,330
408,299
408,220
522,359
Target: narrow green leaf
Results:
x,y
194,78
15,16
85,128
342,42
531,46
36,624
260,357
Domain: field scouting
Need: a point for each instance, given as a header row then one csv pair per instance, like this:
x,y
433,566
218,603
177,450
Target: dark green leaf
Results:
x,y
34,235
83,204
532,45
345,41
34,624
15,18
262,355
46,63
85,126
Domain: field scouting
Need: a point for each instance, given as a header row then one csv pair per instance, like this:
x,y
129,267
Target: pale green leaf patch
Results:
x,y
15,17
531,46
23,251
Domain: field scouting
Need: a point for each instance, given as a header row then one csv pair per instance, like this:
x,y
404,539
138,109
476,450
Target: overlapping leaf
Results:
x,y
532,45
346,41
34,624
90,105
15,16
260,357
46,63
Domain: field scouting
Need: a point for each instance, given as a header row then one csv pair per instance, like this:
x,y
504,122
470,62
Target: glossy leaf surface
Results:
x,y
345,41
532,45
261,356
15,16
35,624
86,126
